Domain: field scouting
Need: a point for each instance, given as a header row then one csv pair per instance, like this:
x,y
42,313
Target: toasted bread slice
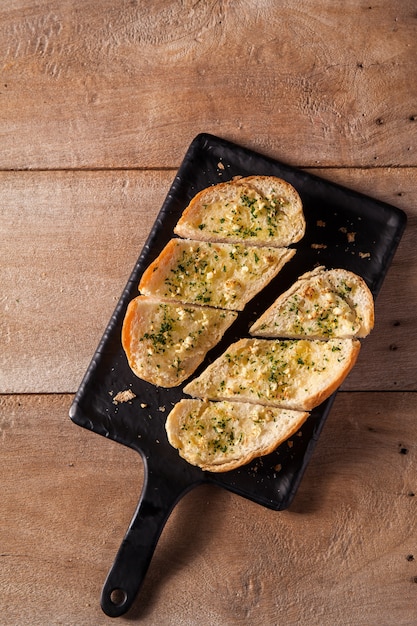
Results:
x,y
321,304
261,210
165,342
221,436
220,275
294,374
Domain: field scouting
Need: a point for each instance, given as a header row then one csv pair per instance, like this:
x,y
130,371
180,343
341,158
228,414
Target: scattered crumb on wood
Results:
x,y
162,409
318,246
365,255
278,467
124,396
321,223
220,165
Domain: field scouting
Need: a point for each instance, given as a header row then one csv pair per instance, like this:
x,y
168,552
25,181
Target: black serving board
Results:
x,y
332,214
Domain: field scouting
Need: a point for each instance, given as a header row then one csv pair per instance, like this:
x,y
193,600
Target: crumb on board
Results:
x,y
318,246
290,443
143,405
278,467
124,396
321,223
365,255
162,409
220,165
350,235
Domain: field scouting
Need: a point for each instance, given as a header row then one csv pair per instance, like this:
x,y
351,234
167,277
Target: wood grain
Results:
x,y
98,104
129,84
71,240
344,553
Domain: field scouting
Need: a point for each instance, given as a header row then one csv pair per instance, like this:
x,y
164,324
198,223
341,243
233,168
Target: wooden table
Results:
x,y
98,103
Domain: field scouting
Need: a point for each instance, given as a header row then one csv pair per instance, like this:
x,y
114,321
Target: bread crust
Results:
x,y
222,436
321,304
221,275
294,374
262,210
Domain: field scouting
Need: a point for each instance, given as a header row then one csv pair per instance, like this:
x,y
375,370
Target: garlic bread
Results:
x,y
221,436
221,275
294,373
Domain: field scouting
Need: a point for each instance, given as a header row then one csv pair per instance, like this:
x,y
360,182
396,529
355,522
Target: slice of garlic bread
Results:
x,y
220,275
221,436
165,342
259,210
294,373
320,305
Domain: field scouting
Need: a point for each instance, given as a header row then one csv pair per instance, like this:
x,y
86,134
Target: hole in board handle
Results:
x,y
118,597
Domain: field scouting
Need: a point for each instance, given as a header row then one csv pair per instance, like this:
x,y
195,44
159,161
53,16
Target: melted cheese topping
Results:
x,y
166,337
218,275
279,373
248,215
316,309
208,433
320,313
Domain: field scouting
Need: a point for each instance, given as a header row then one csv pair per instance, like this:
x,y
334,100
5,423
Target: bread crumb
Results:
x,y
162,409
351,237
290,443
124,396
278,467
365,255
318,246
143,405
321,223
220,165
343,229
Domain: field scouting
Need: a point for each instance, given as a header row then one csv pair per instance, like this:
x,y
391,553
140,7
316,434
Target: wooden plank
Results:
x,y
70,241
54,541
345,551
127,84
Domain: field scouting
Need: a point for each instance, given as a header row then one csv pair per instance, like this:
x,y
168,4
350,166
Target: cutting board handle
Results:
x,y
159,496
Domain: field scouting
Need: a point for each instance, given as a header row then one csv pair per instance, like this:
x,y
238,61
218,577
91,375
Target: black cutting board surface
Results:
x,y
345,229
